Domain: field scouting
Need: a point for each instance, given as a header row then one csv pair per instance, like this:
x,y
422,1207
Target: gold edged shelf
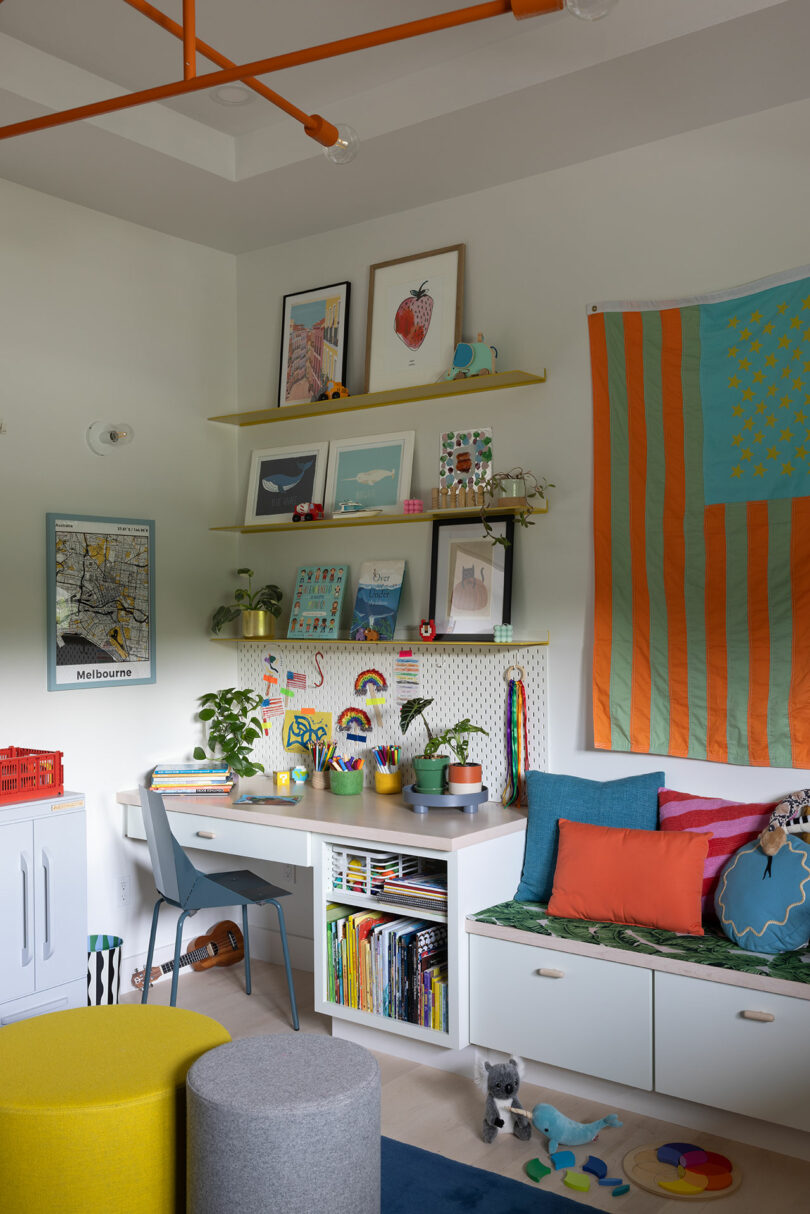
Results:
x,y
376,400
396,643
470,512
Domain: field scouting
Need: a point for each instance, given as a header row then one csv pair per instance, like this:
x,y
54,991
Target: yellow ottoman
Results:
x,y
92,1109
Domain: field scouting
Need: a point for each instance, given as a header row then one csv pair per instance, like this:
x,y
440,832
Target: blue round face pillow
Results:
x,y
763,902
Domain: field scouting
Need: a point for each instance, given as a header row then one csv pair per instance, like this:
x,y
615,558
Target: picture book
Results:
x,y
317,600
377,603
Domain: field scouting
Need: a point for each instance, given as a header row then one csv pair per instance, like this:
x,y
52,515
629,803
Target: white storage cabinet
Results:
x,y
43,907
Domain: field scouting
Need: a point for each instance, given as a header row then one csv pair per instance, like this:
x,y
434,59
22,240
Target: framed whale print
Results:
x,y
371,475
282,478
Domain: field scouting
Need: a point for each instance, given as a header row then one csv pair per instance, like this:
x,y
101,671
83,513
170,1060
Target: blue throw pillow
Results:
x,y
631,802
763,902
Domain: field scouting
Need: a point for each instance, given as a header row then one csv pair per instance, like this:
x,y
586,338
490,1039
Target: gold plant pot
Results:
x,y
257,624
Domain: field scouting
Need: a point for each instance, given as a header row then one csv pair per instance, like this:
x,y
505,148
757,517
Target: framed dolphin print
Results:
x,y
371,474
282,478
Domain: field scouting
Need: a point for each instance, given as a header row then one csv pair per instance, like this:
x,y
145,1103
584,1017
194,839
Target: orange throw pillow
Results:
x,y
610,874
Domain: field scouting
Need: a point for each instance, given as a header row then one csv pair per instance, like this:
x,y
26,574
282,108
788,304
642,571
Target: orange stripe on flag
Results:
x,y
603,576
674,545
759,634
637,439
714,537
799,698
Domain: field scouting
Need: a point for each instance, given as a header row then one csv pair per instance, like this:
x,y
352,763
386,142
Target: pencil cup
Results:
x,y
388,781
320,779
346,783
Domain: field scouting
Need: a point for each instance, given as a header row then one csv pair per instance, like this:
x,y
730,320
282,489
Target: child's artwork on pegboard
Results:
x,y
317,600
377,603
304,728
465,458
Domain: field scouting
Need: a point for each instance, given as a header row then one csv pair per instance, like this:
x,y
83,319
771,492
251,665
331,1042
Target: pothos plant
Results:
x,y
493,486
233,727
264,598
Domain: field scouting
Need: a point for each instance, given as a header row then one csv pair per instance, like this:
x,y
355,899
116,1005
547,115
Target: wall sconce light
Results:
x,y
104,437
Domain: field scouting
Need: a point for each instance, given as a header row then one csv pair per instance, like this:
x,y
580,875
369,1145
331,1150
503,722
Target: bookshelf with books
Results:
x,y
390,938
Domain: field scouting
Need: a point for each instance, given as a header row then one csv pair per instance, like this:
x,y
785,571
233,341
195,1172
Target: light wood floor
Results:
x,y
442,1112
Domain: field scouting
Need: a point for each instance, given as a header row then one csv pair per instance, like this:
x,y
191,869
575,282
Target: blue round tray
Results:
x,y
421,802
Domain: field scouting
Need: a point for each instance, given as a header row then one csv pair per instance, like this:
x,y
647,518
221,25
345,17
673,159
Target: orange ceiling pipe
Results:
x,y
189,41
326,133
276,63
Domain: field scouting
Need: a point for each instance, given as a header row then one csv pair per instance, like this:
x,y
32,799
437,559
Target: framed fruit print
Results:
x,y
470,577
414,318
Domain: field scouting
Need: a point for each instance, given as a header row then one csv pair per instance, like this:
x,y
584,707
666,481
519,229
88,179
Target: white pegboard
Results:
x,y
465,681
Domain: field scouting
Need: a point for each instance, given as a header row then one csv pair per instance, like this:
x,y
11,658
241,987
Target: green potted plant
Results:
x,y
429,767
258,608
517,487
462,776
233,727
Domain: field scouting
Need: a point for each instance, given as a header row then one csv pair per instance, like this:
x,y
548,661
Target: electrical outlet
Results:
x,y
123,890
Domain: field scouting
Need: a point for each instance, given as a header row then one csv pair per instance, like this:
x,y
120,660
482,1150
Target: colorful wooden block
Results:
x,y
597,1167
609,1181
536,1170
671,1152
576,1180
621,1190
562,1159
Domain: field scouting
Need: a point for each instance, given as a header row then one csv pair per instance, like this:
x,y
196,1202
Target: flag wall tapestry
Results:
x,y
702,525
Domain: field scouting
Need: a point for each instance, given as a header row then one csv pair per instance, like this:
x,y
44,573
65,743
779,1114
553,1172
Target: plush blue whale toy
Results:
x,y
562,1130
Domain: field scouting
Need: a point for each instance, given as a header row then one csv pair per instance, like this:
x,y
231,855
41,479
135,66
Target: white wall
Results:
x,y
100,319
693,213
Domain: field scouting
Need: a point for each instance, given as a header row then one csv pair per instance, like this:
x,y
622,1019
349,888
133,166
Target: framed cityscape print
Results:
x,y
101,601
314,331
470,577
282,478
414,318
371,474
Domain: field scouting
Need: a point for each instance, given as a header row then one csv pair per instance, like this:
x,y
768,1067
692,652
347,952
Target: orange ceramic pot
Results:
x,y
464,777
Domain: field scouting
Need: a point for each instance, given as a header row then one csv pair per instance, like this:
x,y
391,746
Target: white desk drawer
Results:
x,y
571,1011
717,1044
251,839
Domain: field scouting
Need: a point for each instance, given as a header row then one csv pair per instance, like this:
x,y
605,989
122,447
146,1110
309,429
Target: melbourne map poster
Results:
x,y
101,619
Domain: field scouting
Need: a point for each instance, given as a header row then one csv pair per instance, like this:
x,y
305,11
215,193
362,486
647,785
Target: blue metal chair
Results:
x,y
182,885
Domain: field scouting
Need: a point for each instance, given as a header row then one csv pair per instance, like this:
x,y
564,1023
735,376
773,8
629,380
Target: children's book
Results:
x,y
317,600
377,603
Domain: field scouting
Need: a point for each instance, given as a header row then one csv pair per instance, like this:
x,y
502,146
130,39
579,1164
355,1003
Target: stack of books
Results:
x,y
192,779
387,965
426,890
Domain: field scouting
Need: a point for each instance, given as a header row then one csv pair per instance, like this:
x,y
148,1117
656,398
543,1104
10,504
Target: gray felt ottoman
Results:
x,y
285,1124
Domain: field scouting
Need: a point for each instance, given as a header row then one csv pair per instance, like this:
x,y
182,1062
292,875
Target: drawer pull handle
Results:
x,y
205,834
547,973
765,1017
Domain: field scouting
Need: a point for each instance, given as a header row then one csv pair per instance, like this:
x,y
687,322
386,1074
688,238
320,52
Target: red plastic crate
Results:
x,y
27,774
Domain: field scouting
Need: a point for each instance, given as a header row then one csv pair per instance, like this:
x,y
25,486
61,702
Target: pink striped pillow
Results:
x,y
731,823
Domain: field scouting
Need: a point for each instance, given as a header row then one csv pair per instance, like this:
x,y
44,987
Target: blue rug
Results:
x,y
415,1180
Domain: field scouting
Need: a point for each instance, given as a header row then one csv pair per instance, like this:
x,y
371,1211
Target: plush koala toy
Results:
x,y
501,1083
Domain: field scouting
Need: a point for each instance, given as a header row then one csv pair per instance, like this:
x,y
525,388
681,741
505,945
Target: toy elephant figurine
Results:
x,y
472,358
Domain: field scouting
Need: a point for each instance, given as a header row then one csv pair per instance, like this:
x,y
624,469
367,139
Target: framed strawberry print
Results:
x,y
414,318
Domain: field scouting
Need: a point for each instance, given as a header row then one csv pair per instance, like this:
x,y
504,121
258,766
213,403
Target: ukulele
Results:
x,y
224,945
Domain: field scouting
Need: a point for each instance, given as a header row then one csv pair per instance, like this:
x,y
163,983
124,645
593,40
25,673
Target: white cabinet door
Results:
x,y
17,968
733,1048
60,859
575,1012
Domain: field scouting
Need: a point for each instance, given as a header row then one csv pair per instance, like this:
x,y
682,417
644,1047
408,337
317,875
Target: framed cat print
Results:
x,y
471,577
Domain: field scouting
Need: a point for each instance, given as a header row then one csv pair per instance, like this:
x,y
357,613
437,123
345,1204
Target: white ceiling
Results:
x,y
438,116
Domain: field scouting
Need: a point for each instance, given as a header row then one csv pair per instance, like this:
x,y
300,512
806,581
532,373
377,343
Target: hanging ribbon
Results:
x,y
517,740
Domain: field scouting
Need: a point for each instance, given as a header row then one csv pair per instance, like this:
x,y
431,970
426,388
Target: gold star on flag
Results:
x,y
737,440
733,382
770,361
782,308
756,317
801,418
733,352
801,453
785,372
798,383
769,328
770,420
745,334
748,424
806,302
759,470
760,406
784,342
758,437
756,346
736,471
745,453
786,436
744,364
785,402
748,394
732,324
787,469
773,453
758,377
737,410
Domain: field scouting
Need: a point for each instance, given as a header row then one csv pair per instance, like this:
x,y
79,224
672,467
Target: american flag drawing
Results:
x,y
296,680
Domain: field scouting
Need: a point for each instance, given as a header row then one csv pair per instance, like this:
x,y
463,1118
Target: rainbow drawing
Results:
x,y
354,718
369,681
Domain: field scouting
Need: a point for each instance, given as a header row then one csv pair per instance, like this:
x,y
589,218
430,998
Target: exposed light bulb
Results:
x,y
345,149
103,437
590,10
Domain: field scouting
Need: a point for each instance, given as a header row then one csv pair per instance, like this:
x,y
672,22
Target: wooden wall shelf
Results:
x,y
470,512
376,400
396,643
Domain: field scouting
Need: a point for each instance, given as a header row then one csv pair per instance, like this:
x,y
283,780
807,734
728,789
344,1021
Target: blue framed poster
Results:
x,y
316,601
101,601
